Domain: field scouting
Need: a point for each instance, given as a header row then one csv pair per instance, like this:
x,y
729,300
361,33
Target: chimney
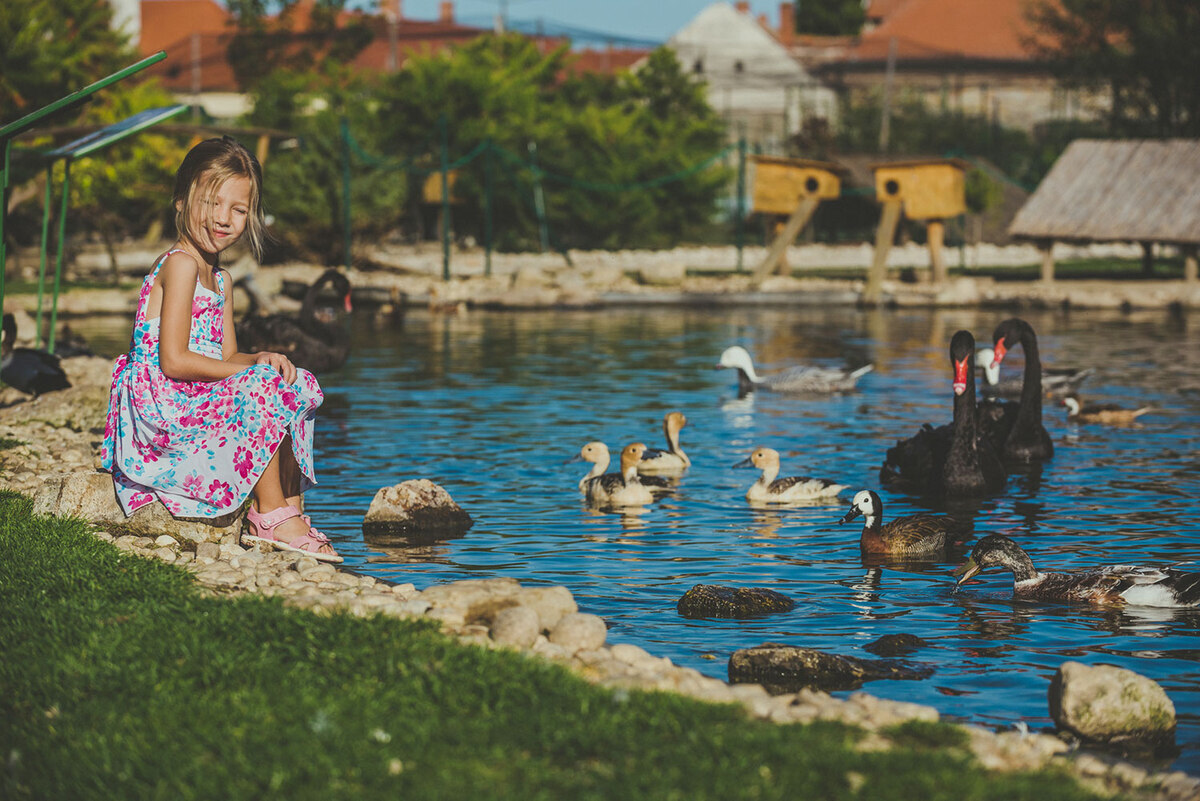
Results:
x,y
787,23
446,11
763,22
743,6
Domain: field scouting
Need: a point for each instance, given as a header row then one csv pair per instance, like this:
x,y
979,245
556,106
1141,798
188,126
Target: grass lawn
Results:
x,y
120,680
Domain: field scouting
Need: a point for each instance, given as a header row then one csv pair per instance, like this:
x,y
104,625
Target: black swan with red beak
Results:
x,y
315,341
956,459
1022,437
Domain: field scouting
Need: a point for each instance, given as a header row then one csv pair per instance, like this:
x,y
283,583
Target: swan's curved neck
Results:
x,y
1031,393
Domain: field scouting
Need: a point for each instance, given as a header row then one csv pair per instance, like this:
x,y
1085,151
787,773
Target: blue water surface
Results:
x,y
491,404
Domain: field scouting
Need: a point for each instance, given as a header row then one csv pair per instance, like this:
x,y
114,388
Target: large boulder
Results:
x,y
92,497
415,511
785,669
711,600
1107,704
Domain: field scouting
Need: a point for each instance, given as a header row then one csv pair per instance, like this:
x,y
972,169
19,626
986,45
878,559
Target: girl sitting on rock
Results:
x,y
192,422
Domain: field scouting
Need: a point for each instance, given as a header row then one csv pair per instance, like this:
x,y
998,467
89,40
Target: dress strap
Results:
x,y
148,284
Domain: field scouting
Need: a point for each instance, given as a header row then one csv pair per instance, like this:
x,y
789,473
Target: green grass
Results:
x,y
119,679
8,443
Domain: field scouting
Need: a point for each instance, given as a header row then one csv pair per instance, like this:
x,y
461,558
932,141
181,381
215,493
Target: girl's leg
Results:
x,y
289,473
269,495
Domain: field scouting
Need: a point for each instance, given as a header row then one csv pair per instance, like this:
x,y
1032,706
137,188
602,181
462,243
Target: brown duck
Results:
x,y
1105,413
911,535
1110,585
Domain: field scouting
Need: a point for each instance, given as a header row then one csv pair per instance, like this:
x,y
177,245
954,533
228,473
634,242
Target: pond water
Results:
x,y
491,405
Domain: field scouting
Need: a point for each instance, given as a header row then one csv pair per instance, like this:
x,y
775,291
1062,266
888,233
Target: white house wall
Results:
x,y
752,80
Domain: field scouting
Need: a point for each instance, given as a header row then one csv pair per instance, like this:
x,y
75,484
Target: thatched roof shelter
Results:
x,y
1134,190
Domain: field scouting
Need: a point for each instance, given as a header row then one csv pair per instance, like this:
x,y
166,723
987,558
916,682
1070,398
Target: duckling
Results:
x,y
1112,584
597,454
620,489
797,380
673,459
1107,413
769,489
913,535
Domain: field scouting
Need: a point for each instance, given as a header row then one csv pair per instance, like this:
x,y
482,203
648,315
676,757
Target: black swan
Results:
x,y
955,459
1026,440
34,372
316,344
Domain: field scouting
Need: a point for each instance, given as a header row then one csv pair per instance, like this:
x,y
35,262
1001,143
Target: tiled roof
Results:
x,y
167,22
606,61
989,30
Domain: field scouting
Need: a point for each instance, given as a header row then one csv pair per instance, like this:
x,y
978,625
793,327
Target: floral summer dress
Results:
x,y
199,446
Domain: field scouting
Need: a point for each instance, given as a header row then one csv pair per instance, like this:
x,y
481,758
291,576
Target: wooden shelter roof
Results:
x,y
1134,190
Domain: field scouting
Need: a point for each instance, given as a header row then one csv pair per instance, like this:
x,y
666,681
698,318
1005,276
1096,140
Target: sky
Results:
x,y
651,20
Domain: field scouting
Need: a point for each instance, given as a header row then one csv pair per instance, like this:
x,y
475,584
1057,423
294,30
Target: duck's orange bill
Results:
x,y
961,374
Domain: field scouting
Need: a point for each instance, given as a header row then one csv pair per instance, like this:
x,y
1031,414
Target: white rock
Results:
x,y
516,626
579,632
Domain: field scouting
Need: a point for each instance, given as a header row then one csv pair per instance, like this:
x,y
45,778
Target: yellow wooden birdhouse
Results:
x,y
791,187
929,189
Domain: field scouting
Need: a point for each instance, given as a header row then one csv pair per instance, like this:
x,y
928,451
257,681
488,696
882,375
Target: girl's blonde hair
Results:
x,y
205,168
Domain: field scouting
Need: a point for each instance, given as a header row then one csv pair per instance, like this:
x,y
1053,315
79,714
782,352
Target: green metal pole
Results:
x,y
45,244
445,197
539,200
739,236
346,193
62,237
3,214
487,210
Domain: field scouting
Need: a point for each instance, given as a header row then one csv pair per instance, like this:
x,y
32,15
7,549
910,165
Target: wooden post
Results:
x,y
884,234
1046,247
1147,259
936,230
774,258
1189,264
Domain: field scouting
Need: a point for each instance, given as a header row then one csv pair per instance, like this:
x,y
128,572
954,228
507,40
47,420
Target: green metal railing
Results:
x,y
13,129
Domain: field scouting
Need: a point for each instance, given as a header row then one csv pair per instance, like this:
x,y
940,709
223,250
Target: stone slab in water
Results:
x,y
1107,704
895,645
711,600
785,669
414,511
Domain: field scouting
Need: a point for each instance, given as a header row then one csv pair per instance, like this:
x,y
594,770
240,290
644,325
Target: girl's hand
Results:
x,y
281,363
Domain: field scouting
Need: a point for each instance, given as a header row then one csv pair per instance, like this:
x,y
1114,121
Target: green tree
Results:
x,y
125,189
1142,53
50,48
303,182
830,17
298,37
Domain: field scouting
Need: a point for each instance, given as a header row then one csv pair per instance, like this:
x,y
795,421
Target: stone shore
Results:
x,y
55,463
411,276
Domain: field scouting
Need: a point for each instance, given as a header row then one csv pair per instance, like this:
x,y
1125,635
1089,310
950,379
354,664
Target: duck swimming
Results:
x,y
309,339
1113,584
617,489
1055,380
796,380
955,459
769,489
1106,413
911,535
1027,440
673,459
34,372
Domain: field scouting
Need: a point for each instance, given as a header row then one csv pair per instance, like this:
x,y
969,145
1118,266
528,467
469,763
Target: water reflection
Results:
x,y
477,401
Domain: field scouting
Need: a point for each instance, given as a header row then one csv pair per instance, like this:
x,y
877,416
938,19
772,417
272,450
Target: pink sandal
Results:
x,y
262,529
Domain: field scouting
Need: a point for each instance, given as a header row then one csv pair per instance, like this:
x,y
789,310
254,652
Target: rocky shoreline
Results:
x,y
411,277
52,456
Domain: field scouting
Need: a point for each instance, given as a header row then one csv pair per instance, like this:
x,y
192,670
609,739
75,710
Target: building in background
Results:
x,y
754,82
